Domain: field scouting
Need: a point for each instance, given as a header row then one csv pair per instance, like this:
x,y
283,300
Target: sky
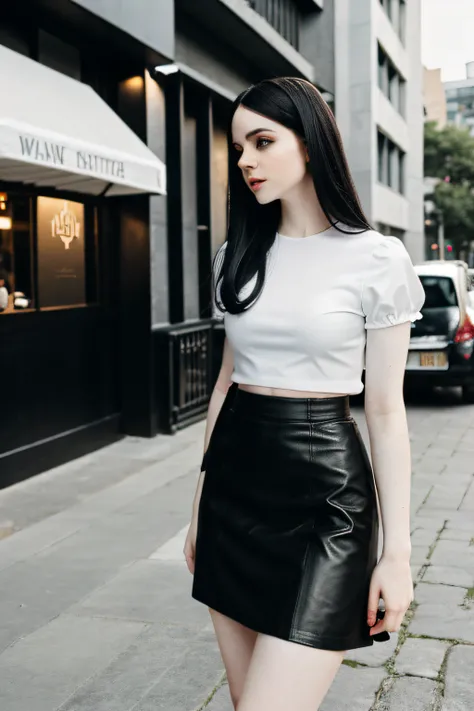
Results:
x,y
448,36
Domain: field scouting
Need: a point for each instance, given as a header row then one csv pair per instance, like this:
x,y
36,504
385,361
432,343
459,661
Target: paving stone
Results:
x,y
148,590
423,536
353,689
221,700
35,591
410,694
461,520
447,595
458,534
155,665
462,577
421,657
431,466
188,683
453,554
42,670
377,654
440,613
467,504
419,554
459,686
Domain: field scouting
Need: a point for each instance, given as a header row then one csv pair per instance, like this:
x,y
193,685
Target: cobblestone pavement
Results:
x,y
95,606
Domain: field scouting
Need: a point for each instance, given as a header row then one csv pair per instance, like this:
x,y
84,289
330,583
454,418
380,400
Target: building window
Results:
x,y
402,20
391,163
282,15
396,13
390,81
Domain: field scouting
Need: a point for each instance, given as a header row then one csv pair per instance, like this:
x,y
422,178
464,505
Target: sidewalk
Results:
x,y
95,606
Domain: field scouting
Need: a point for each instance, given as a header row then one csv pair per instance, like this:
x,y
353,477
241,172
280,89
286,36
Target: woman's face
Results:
x,y
270,151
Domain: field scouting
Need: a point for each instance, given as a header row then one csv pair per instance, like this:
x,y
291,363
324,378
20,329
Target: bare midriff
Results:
x,y
277,392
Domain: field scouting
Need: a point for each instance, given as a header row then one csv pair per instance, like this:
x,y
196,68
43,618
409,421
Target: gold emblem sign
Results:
x,y
66,226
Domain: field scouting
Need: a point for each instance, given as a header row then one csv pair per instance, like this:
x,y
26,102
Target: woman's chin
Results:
x,y
265,199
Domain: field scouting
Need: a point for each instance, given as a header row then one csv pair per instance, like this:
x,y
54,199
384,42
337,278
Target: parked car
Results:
x,y
441,348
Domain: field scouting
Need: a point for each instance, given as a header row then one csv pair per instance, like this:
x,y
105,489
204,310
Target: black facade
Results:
x,y
141,354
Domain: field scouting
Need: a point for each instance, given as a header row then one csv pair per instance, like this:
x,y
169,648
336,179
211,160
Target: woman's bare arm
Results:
x,y
386,356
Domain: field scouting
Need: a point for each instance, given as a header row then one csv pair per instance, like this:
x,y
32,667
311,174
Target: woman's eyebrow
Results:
x,y
256,130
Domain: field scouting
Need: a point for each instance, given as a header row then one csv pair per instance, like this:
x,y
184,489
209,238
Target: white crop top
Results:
x,y
306,331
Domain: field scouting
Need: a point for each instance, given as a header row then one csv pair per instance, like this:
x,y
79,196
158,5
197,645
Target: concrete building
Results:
x,y
379,108
460,99
434,97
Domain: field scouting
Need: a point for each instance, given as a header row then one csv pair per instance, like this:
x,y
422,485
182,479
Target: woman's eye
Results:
x,y
263,139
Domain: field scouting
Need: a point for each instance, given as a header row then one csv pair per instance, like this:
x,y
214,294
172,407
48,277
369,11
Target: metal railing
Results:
x,y
186,369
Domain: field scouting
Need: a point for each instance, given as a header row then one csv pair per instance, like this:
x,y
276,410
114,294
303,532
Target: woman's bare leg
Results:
x,y
285,675
236,644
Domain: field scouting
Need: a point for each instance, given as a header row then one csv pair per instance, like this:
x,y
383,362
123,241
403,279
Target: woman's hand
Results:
x,y
190,544
391,581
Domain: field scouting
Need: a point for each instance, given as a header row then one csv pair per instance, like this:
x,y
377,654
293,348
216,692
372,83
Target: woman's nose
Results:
x,y
246,161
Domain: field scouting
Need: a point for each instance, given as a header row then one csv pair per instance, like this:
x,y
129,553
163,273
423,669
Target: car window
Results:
x,y
440,292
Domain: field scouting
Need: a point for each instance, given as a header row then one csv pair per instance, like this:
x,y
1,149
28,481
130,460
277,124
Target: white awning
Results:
x,y
57,132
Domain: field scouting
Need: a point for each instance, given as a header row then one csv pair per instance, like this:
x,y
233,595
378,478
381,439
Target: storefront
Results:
x,y
69,171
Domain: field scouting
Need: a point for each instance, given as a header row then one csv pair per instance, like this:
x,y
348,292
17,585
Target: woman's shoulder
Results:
x,y
372,238
374,245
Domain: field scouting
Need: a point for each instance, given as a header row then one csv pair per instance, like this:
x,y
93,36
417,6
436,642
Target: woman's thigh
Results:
x,y
236,643
285,675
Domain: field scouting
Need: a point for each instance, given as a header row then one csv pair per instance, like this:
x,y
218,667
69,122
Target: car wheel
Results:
x,y
468,394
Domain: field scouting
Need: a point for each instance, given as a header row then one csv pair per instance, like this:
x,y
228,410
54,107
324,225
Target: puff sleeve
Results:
x,y
392,292
219,259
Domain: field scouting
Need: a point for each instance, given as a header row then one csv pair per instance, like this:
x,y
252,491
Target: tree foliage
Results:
x,y
449,156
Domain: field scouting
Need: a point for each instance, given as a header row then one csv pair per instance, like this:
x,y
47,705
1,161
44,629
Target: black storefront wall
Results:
x,y
61,387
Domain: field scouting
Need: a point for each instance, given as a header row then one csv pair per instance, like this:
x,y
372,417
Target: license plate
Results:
x,y
429,359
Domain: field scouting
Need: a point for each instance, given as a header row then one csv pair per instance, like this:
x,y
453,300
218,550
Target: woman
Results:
x,y
283,538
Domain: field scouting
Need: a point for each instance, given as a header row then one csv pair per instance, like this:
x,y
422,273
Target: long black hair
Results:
x,y
298,105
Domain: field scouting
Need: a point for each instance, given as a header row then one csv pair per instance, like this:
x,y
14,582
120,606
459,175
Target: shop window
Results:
x,y
16,291
48,253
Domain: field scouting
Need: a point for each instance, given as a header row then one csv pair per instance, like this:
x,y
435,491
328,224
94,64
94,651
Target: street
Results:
x,y
95,605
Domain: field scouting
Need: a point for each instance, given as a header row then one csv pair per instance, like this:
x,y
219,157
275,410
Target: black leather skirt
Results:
x,y
287,524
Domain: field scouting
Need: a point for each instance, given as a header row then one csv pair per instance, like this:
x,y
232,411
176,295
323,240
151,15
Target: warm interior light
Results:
x,y
3,197
434,246
5,223
134,83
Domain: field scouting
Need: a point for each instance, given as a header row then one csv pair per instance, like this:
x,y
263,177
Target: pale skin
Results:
x,y
266,673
